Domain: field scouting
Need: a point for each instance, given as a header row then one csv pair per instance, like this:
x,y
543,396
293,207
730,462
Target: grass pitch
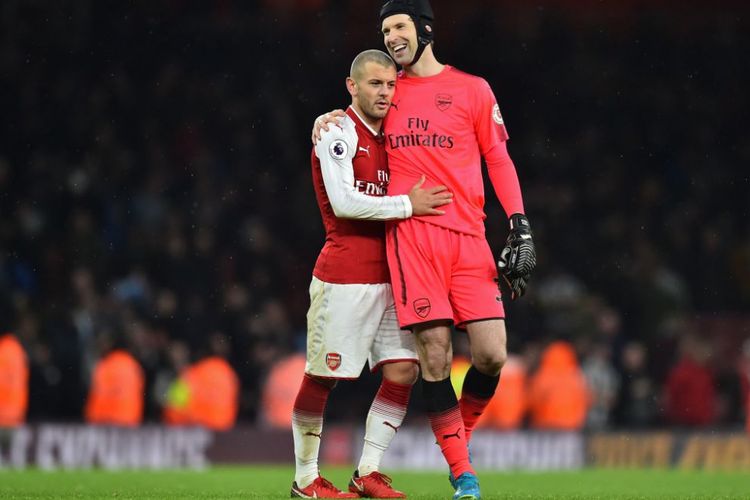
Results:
x,y
273,482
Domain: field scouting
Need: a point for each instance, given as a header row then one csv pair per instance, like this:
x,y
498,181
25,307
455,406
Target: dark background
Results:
x,y
155,180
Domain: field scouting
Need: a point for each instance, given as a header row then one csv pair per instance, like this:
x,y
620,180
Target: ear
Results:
x,y
351,86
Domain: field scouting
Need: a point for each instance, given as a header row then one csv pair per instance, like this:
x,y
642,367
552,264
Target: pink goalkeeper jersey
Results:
x,y
440,126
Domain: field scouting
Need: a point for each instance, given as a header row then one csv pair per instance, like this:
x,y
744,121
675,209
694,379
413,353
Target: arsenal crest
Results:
x,y
333,360
443,101
422,307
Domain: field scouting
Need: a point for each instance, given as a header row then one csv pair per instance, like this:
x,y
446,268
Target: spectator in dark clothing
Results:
x,y
637,397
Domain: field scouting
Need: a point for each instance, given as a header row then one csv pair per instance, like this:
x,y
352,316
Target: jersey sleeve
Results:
x,y
492,136
335,150
488,122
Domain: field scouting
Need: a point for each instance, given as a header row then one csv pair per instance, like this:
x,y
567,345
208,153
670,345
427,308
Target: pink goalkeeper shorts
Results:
x,y
440,274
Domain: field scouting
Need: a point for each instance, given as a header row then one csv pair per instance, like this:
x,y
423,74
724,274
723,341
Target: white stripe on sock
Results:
x,y
383,419
306,429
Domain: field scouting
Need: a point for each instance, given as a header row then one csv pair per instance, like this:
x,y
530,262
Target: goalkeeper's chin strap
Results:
x,y
420,13
422,43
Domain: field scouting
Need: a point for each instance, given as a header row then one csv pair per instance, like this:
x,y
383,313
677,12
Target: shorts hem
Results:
x,y
410,326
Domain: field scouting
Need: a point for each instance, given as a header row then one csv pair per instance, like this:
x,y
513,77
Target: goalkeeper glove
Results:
x,y
518,258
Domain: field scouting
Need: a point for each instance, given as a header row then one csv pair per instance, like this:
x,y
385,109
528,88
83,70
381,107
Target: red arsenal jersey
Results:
x,y
350,175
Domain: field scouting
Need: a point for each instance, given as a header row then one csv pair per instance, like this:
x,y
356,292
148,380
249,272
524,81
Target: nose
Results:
x,y
388,38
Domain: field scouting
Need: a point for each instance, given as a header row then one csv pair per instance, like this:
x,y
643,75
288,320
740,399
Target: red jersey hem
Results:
x,y
335,281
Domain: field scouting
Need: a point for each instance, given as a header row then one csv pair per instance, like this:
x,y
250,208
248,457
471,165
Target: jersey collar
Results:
x,y
362,121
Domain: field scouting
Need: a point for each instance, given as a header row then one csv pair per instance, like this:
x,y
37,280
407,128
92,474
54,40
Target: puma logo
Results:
x,y
455,434
366,150
394,427
310,433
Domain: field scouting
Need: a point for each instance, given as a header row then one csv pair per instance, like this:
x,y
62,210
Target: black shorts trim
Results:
x,y
400,267
411,326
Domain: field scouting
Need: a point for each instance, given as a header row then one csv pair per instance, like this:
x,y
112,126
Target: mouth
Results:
x,y
383,105
398,49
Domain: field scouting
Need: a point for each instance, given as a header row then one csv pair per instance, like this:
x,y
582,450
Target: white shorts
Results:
x,y
350,324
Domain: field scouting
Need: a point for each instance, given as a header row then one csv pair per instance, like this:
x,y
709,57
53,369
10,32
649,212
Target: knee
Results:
x,y
435,353
436,360
404,373
490,363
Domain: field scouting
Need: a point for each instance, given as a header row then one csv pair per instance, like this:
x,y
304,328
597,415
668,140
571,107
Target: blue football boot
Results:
x,y
453,479
467,487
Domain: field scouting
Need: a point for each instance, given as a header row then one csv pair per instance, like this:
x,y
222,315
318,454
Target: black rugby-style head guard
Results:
x,y
420,12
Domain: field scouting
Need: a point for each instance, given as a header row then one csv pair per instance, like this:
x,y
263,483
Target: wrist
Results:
x,y
408,206
519,222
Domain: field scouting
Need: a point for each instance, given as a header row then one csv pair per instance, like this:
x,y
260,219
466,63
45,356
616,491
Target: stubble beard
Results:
x,y
375,114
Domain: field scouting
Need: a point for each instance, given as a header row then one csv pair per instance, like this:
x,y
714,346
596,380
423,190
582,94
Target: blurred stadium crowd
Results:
x,y
155,189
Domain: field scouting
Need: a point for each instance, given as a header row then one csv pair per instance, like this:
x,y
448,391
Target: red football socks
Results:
x,y
311,398
471,409
447,424
476,394
391,393
307,428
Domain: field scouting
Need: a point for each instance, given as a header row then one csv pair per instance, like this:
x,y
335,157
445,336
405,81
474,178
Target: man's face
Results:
x,y
374,89
400,38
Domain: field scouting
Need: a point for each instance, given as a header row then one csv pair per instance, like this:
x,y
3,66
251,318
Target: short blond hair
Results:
x,y
370,55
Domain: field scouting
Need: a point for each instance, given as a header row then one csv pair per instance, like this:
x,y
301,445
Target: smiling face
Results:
x,y
372,86
400,38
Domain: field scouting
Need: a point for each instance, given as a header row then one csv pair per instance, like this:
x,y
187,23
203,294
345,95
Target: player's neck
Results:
x,y
427,65
373,123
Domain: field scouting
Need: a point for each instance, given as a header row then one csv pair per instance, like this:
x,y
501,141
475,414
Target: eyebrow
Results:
x,y
397,25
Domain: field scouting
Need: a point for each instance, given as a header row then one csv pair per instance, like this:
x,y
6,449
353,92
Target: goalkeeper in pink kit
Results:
x,y
441,123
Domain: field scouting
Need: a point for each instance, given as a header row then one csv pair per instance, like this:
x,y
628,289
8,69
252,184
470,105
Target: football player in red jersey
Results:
x,y
352,316
442,122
